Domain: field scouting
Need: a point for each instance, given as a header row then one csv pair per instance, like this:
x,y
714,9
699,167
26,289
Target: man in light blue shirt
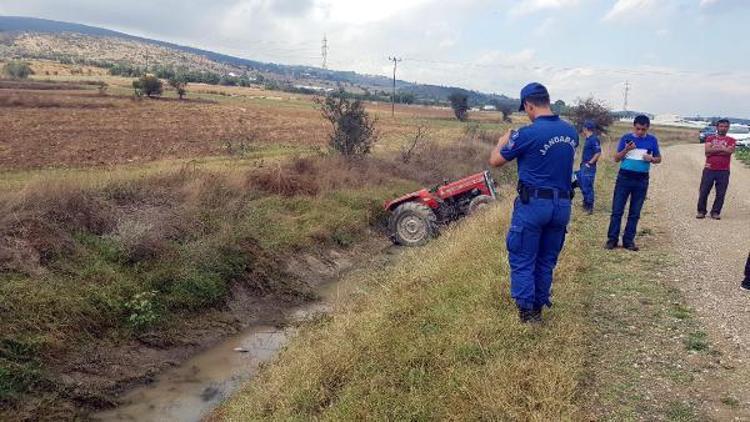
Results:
x,y
636,152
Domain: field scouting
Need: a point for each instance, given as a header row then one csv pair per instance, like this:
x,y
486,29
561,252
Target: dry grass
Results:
x,y
89,243
435,337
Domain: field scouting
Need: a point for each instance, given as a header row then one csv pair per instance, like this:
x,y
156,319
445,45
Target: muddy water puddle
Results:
x,y
188,392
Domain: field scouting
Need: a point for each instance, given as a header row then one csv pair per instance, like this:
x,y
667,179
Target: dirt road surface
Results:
x,y
711,255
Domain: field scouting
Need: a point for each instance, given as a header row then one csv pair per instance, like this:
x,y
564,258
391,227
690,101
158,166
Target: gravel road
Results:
x,y
712,253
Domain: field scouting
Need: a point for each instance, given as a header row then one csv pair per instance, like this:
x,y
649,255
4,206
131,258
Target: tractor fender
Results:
x,y
423,196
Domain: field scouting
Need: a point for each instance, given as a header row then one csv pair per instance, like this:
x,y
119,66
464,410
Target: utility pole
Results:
x,y
627,91
395,61
324,51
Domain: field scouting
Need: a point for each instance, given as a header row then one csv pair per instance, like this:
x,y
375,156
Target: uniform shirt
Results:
x,y
719,162
545,151
634,161
590,148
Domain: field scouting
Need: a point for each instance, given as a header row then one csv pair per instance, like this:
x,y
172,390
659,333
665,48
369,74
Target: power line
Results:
x,y
395,61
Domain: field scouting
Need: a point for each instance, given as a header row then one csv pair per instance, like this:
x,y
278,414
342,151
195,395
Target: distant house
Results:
x,y
489,108
313,88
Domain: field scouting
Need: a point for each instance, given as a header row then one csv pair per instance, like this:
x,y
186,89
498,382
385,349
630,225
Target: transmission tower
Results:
x,y
324,51
395,61
627,91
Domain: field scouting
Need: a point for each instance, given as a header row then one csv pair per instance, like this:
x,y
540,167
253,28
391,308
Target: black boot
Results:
x,y
537,315
525,315
530,316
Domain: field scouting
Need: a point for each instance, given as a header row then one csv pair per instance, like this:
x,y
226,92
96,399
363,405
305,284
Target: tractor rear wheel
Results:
x,y
412,224
479,203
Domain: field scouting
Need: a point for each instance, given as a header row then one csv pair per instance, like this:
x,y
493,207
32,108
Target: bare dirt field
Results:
x,y
64,128
45,125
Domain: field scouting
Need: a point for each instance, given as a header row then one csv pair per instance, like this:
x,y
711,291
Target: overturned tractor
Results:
x,y
416,217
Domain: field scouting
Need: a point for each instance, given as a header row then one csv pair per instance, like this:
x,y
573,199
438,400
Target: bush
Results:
x,y
142,309
505,108
148,85
179,83
460,105
17,70
414,144
591,109
353,129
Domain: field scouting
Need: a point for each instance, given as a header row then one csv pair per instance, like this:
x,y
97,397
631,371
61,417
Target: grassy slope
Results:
x,y
436,337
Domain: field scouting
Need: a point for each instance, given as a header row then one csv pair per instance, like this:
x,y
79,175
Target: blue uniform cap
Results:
x,y
533,89
589,124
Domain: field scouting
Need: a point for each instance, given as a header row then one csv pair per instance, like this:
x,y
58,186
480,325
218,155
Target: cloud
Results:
x,y
527,7
627,8
354,12
463,44
721,6
501,58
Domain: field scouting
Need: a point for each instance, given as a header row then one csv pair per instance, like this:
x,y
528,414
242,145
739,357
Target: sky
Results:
x,y
687,57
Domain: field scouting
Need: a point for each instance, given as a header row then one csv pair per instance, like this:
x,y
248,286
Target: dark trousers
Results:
x,y
586,177
626,188
720,178
747,269
535,239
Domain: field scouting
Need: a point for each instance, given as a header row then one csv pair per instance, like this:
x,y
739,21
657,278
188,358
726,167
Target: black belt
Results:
x,y
630,174
546,193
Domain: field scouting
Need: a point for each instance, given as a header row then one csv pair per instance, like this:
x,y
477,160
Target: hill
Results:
x,y
42,38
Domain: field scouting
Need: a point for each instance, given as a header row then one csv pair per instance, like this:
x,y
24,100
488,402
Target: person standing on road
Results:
x,y
545,151
636,152
719,150
746,282
592,150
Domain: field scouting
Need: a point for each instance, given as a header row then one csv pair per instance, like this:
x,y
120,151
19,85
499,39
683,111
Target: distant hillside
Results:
x,y
78,41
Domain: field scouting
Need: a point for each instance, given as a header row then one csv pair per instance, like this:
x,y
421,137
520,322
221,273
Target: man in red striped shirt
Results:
x,y
719,150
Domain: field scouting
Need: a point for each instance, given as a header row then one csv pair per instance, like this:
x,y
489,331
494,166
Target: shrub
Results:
x,y
591,109
506,111
142,308
460,105
17,70
353,131
414,143
287,180
149,86
179,83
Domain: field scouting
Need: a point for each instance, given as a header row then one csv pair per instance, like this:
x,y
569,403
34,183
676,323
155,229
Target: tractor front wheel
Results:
x,y
412,224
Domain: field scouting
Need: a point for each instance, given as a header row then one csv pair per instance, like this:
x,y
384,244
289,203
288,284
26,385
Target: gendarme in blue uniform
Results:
x,y
545,151
590,148
587,173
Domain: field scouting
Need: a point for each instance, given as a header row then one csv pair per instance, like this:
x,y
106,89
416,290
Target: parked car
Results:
x,y
706,132
741,134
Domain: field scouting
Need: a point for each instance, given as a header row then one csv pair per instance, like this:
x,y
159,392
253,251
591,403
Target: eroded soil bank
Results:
x,y
181,373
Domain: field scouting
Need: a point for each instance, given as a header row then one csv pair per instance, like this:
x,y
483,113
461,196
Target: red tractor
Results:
x,y
415,216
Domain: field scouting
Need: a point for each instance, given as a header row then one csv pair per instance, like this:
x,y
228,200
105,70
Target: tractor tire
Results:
x,y
478,203
412,224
